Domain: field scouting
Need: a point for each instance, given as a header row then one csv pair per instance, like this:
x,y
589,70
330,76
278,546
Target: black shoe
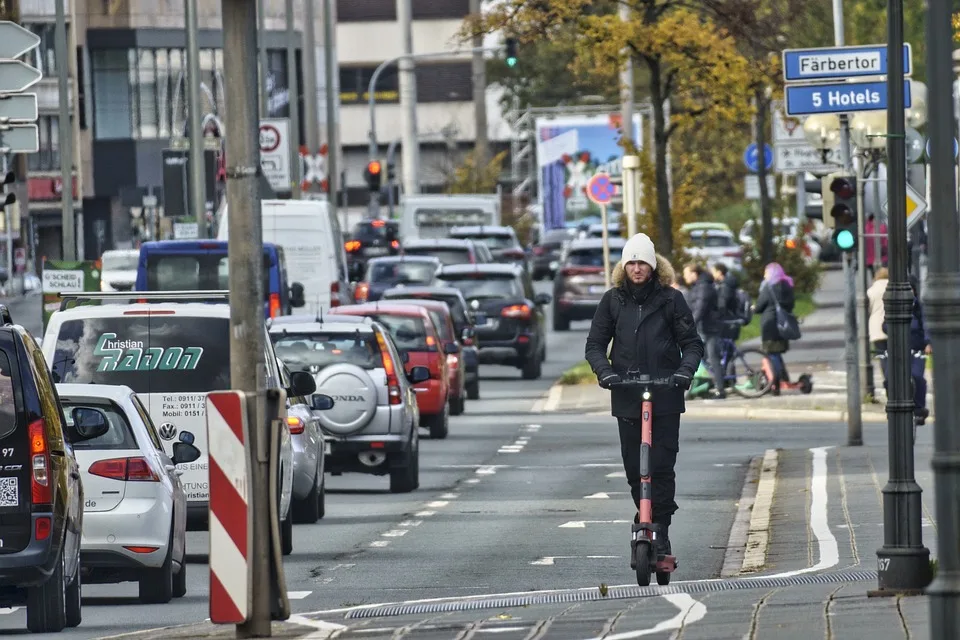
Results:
x,y
718,395
663,542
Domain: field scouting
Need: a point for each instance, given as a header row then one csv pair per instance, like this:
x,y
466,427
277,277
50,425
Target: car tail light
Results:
x,y
40,490
124,469
274,305
393,383
335,294
580,271
42,528
431,343
733,254
518,311
296,425
362,292
352,246
539,251
140,549
395,244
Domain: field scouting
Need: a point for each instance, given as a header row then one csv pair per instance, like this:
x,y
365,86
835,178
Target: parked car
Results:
x,y
385,273
547,252
371,239
449,250
514,333
189,344
464,323
713,246
579,284
596,231
502,242
41,489
135,510
418,342
306,439
373,426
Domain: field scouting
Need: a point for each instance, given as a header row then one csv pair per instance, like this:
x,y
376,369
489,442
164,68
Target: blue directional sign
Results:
x,y
841,97
956,148
752,160
829,63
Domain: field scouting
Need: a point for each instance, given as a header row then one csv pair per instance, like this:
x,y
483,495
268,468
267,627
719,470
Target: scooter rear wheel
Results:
x,y
663,578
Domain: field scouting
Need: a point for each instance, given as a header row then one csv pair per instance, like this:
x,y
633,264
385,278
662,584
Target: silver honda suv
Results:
x,y
372,425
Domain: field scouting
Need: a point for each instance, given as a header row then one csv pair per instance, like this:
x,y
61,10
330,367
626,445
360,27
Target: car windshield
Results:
x,y
314,351
494,241
409,333
119,435
200,272
120,261
709,240
592,257
376,230
401,272
149,354
446,255
485,285
457,311
440,322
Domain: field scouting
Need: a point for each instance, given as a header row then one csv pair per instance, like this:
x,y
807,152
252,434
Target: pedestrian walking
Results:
x,y
704,303
776,290
875,323
871,227
919,344
727,300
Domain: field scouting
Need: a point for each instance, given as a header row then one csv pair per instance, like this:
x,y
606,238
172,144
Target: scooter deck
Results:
x,y
667,564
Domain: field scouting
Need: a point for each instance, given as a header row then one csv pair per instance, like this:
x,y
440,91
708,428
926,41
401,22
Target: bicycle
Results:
x,y
919,419
643,556
746,371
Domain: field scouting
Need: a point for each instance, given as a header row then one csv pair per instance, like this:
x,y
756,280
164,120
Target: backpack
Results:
x,y
744,310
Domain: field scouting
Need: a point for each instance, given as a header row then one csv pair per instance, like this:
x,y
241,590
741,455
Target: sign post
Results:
x,y
600,191
275,153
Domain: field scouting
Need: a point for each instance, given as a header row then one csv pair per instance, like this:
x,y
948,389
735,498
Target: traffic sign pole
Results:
x,y
600,191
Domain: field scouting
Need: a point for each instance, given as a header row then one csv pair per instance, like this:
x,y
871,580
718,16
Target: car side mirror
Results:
x,y
543,298
418,375
184,452
88,423
297,298
321,402
450,348
302,383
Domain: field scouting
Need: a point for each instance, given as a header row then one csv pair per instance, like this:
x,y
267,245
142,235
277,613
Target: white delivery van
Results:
x,y
431,216
312,245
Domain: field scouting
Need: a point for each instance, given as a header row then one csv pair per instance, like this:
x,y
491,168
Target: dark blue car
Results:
x,y
395,271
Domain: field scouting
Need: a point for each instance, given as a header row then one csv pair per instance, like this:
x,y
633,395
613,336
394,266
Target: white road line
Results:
x,y
424,514
6,610
486,471
690,611
510,450
533,428
548,561
501,629
324,629
582,524
298,595
553,398
617,474
379,543
472,480
450,496
394,533
437,504
410,523
604,495
523,439
593,465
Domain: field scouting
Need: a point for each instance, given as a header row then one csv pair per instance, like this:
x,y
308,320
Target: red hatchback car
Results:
x,y
419,343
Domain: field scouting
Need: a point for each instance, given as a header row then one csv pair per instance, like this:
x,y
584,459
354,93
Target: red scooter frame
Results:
x,y
643,556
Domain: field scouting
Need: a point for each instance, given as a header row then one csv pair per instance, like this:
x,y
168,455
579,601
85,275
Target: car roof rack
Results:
x,y
147,296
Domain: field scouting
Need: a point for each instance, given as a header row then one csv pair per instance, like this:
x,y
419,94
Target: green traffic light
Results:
x,y
511,62
845,240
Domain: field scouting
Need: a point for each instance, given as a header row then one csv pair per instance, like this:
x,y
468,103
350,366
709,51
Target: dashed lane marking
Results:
x,y
582,524
549,561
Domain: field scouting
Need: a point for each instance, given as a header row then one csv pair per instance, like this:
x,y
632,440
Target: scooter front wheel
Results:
x,y
643,552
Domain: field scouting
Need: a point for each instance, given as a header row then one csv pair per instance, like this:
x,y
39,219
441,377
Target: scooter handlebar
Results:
x,y
646,382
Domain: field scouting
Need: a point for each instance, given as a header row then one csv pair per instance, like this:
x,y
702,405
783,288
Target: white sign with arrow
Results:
x,y
15,40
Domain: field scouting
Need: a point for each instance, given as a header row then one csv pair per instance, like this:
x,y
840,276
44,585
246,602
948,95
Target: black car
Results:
x,y
514,333
386,273
449,250
371,239
41,493
502,242
548,251
463,322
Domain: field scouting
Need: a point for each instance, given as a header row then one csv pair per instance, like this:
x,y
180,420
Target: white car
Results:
x,y
118,269
135,511
171,354
784,230
714,246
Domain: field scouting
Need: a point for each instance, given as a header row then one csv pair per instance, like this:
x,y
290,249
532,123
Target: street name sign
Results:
x,y
19,106
793,158
17,76
832,63
15,40
840,97
19,138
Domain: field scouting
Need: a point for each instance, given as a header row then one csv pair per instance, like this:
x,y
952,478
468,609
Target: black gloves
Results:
x,y
680,381
609,379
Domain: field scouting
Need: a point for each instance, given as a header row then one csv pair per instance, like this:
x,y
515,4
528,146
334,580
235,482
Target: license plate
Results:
x,y
596,288
376,251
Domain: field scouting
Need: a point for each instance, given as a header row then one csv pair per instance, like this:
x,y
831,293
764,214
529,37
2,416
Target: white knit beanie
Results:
x,y
640,248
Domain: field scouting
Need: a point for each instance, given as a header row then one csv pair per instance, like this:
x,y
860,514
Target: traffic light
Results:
x,y
8,196
511,56
840,209
391,172
373,174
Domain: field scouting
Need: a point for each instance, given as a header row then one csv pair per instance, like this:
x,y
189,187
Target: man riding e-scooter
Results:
x,y
653,333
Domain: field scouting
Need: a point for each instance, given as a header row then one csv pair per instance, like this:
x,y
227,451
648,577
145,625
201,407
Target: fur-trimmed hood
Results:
x,y
665,273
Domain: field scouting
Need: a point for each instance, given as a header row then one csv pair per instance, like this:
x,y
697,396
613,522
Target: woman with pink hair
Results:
x,y
775,290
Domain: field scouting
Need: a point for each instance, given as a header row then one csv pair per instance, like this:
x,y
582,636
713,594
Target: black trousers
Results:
x,y
663,459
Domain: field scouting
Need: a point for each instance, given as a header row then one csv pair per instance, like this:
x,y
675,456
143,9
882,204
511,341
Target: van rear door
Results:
x,y
15,470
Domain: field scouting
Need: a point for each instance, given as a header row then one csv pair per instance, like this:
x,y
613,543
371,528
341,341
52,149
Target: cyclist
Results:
x,y
653,333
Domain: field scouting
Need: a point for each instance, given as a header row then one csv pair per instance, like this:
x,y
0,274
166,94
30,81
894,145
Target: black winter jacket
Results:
x,y
767,308
659,339
727,302
704,304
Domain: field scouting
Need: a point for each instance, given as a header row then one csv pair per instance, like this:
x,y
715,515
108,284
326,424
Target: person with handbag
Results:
x,y
778,325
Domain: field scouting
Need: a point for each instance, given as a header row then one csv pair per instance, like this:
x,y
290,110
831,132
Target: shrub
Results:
x,y
806,275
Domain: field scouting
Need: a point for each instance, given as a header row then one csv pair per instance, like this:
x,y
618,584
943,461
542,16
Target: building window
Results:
x,y
44,57
355,81
112,112
147,93
47,158
367,10
434,9
444,82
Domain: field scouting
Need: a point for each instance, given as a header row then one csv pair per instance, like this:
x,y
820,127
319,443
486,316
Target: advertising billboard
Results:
x,y
570,150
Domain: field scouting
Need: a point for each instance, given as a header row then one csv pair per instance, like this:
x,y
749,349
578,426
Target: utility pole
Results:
x,y
410,150
330,70
311,121
854,417
264,64
196,183
942,307
479,68
246,282
293,100
68,219
867,389
626,86
903,563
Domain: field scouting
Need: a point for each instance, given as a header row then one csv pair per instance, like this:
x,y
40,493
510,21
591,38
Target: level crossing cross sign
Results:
x,y
600,189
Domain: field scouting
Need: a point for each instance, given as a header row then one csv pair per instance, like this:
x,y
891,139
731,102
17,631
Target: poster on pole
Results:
x,y
570,150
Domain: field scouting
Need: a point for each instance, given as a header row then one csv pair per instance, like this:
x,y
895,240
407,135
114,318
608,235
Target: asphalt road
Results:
x,y
511,501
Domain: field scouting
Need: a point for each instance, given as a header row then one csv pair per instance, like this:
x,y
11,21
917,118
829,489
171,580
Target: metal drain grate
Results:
x,y
616,593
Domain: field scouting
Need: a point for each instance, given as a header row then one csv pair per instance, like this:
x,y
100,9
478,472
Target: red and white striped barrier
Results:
x,y
230,515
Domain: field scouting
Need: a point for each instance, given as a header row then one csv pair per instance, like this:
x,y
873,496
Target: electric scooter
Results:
x,y
643,550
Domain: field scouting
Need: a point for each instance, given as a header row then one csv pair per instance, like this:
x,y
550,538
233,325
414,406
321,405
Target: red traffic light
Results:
x,y
373,168
844,188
